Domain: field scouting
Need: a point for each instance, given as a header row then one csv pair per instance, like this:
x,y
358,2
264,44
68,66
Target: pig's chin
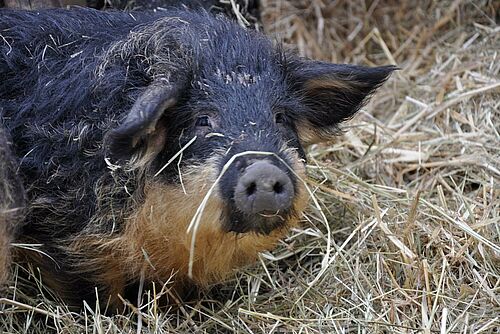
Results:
x,y
262,223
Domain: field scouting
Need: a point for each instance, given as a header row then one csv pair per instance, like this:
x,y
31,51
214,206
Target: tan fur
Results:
x,y
307,134
156,241
329,84
4,250
11,204
9,218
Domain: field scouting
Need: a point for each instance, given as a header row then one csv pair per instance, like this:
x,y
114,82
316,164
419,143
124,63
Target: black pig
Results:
x,y
121,123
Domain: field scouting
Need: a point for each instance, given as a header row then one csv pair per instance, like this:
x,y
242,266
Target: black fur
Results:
x,y
249,9
89,128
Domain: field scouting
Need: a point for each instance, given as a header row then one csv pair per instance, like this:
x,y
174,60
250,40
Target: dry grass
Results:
x,y
411,192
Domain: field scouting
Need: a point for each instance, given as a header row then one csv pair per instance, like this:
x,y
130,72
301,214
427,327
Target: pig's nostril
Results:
x,y
278,188
251,189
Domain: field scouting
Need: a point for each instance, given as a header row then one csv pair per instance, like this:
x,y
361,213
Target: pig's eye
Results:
x,y
203,121
280,118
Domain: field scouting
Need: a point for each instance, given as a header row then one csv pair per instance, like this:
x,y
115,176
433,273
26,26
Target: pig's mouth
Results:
x,y
261,223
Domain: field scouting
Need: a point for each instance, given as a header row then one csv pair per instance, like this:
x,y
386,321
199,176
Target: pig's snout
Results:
x,y
263,188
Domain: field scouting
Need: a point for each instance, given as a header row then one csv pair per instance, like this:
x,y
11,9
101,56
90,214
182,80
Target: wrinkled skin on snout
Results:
x,y
169,146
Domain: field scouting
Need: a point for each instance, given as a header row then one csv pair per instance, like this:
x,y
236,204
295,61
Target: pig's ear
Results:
x,y
331,93
141,135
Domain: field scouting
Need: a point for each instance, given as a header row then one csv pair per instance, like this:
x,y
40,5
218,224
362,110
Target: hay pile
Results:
x,y
411,193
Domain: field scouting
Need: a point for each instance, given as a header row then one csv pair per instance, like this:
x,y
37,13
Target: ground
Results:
x,y
403,235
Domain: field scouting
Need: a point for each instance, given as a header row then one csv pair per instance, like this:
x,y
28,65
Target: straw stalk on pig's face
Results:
x,y
163,146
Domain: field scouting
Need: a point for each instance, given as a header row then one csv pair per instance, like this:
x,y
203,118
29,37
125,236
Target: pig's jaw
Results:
x,y
157,238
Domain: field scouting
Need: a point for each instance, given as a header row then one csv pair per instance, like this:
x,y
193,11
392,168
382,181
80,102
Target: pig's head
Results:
x,y
237,95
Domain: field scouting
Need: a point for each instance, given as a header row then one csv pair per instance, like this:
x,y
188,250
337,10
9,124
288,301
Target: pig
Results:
x,y
164,147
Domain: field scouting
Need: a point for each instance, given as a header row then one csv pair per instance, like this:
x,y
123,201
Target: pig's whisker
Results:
x,y
276,214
